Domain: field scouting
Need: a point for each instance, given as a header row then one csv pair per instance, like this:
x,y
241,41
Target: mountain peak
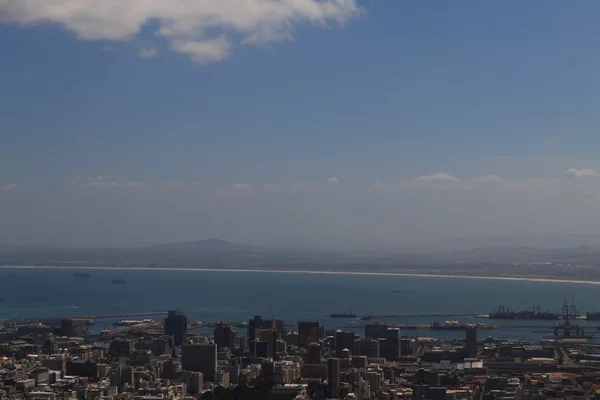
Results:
x,y
213,242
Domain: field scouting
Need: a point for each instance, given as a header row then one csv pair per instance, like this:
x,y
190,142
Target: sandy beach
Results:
x,y
504,278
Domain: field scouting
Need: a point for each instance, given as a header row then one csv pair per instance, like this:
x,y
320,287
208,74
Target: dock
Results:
x,y
419,315
145,314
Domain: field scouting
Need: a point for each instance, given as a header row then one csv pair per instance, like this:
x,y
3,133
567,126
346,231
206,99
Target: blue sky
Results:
x,y
142,123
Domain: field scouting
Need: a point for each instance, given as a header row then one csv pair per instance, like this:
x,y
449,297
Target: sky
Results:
x,y
297,122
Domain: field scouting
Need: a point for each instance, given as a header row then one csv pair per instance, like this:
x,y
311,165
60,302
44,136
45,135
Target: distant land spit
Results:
x,y
279,271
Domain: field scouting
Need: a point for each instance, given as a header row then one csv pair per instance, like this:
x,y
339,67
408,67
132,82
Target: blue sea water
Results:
x,y
237,296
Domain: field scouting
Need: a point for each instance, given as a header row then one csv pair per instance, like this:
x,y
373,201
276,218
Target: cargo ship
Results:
x,y
342,315
448,326
592,316
81,275
505,313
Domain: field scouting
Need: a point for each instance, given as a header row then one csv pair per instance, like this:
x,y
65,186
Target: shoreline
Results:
x,y
311,272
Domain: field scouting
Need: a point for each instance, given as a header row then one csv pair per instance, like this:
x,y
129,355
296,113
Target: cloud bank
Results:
x,y
8,187
148,53
440,176
575,173
205,30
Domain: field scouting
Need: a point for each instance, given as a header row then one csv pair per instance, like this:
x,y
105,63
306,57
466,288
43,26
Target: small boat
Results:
x,y
81,275
1,298
119,281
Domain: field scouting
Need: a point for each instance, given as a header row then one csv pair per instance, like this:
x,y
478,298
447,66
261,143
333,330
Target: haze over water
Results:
x,y
237,296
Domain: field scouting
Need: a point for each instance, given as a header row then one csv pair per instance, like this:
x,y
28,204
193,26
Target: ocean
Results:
x,y
237,296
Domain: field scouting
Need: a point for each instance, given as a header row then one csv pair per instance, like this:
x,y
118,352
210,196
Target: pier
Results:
x,y
124,315
418,315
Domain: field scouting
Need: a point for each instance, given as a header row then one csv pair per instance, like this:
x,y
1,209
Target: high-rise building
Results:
x,y
376,331
176,326
200,358
267,368
392,344
359,362
406,346
160,345
254,324
225,335
333,377
194,382
374,378
366,347
471,341
343,340
270,336
127,375
314,354
242,343
168,370
308,332
258,348
264,324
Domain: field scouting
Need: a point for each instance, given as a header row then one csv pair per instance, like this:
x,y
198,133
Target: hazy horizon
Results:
x,y
296,124
550,241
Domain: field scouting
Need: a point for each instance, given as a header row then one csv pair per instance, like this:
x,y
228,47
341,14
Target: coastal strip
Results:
x,y
311,272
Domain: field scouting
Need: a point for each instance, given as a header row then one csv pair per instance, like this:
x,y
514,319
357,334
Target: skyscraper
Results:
x,y
270,336
366,347
343,340
333,376
314,353
176,326
308,332
259,323
254,324
376,331
224,335
200,358
392,344
472,341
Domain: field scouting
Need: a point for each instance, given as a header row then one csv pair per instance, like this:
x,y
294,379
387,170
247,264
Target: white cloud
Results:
x,y
488,179
440,176
8,187
378,184
150,52
107,48
575,173
332,181
205,51
241,187
203,29
106,182
175,184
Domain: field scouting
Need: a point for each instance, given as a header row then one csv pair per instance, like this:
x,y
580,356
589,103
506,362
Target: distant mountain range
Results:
x,y
207,244
217,253
545,241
